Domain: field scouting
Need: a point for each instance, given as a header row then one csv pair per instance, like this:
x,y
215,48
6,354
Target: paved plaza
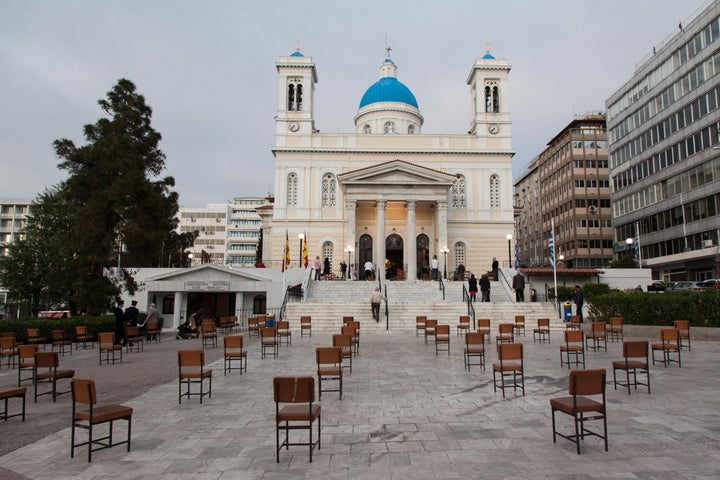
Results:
x,y
406,413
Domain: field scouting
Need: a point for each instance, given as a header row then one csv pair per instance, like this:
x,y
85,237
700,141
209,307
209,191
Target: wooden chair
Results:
x,y
294,392
519,327
59,342
6,394
233,352
509,364
348,318
227,324
254,326
305,326
208,333
152,332
329,367
268,341
83,393
442,339
635,360
484,327
669,345
107,347
83,336
46,371
574,323
585,387
8,351
134,340
345,344
542,332
420,324
475,347
430,326
598,335
191,370
283,332
463,325
34,338
683,327
26,363
352,328
505,333
574,347
615,329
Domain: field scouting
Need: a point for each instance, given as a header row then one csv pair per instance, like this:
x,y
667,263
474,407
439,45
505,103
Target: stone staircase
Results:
x,y
328,301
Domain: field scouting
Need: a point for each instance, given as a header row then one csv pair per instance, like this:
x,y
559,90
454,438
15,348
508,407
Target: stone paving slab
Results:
x,y
408,413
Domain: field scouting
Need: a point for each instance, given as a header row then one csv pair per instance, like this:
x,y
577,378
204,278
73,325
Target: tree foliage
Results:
x,y
625,261
113,207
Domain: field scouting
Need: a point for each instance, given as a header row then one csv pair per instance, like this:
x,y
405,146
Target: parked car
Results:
x,y
688,287
657,286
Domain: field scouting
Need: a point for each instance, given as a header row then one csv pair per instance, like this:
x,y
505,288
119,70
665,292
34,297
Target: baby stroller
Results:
x,y
186,330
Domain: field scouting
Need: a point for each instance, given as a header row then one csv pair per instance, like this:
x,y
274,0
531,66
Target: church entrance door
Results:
x,y
423,256
394,254
365,253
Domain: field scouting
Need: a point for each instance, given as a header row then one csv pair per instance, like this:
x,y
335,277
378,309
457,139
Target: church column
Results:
x,y
380,227
179,304
442,228
350,208
239,304
411,242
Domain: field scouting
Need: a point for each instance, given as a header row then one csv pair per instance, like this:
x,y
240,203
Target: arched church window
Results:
x,y
494,191
411,130
299,97
496,100
329,190
389,127
458,199
459,254
366,128
291,97
292,190
492,97
488,99
327,252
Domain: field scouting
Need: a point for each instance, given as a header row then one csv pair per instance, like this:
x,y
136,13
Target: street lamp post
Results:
x,y
301,237
444,251
509,239
349,250
629,241
190,258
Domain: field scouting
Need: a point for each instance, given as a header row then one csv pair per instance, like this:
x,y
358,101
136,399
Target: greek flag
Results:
x,y
551,248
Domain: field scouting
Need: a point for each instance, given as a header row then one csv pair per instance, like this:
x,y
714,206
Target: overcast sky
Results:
x,y
207,69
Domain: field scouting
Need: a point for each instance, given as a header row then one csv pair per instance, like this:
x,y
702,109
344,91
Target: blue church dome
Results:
x,y
297,54
487,56
388,89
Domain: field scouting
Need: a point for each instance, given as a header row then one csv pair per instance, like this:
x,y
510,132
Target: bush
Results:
x,y
594,289
103,323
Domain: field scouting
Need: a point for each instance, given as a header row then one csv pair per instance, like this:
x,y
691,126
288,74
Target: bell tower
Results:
x,y
488,82
296,92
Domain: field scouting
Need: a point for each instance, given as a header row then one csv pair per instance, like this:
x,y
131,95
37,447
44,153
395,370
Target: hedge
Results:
x,y
103,323
640,308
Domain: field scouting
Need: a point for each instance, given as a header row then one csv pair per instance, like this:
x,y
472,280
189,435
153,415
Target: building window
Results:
x,y
492,97
411,130
291,97
329,190
459,254
389,127
294,95
494,191
366,128
327,252
292,187
458,198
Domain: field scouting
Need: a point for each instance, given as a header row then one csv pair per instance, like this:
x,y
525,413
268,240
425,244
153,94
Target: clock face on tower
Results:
x,y
493,129
293,126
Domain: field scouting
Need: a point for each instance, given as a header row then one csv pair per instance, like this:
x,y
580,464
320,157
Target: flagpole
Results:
x,y
552,259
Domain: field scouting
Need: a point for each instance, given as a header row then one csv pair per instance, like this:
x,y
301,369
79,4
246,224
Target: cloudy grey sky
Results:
x,y
207,69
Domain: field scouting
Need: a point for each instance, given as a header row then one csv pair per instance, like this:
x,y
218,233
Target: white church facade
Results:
x,y
387,192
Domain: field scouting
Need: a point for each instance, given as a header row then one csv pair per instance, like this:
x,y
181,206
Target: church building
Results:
x,y
387,192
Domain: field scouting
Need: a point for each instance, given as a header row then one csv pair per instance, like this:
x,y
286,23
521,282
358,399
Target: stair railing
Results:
x,y
470,307
387,310
442,286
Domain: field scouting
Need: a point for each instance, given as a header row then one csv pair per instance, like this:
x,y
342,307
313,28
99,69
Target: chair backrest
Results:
x,y
207,326
106,338
342,340
132,331
81,330
348,330
348,319
294,389
232,342
420,320
671,335
464,320
483,324
305,320
682,325
83,391
510,351
191,358
57,335
575,318
520,319
283,325
26,352
543,322
574,336
505,328
430,323
7,343
33,332
268,332
616,321
47,359
587,382
152,326
7,335
474,338
442,330
328,355
635,349
598,327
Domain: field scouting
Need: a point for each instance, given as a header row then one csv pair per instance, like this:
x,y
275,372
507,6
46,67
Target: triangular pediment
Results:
x,y
396,172
205,272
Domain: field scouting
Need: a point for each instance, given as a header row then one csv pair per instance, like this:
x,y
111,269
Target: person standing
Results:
x,y
119,323
485,288
472,287
131,314
495,266
343,269
152,315
326,268
434,264
368,269
519,287
579,300
318,268
375,300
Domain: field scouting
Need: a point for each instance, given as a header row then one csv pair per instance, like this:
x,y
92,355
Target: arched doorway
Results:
x,y
423,256
394,255
365,253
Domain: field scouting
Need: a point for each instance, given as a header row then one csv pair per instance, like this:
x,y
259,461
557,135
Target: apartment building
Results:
x,y
13,218
664,149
